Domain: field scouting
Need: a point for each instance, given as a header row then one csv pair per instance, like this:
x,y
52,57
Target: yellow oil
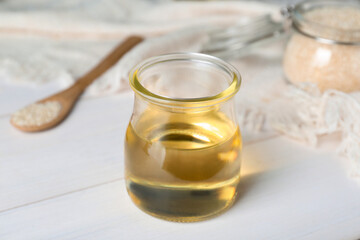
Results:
x,y
182,167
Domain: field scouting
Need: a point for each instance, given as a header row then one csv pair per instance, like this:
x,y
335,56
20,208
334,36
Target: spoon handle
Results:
x,y
107,62
68,97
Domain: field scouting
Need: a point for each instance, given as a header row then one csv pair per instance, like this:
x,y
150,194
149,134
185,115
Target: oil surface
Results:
x,y
182,167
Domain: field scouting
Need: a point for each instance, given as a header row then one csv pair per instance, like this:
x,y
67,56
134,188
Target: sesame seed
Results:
x,y
37,114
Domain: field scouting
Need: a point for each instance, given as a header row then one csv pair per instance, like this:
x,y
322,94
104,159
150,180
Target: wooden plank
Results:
x,y
85,150
287,192
346,228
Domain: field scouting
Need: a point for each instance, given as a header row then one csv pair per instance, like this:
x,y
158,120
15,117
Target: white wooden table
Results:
x,y
68,183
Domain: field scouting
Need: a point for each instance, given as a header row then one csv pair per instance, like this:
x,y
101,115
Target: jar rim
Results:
x,y
302,25
227,93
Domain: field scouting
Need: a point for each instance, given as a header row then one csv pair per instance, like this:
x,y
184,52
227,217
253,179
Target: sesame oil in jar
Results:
x,y
187,167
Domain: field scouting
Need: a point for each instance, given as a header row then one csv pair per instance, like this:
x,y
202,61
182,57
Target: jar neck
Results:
x,y
185,81
141,104
326,21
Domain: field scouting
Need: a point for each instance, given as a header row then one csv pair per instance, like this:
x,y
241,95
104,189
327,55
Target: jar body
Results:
x,y
329,66
182,163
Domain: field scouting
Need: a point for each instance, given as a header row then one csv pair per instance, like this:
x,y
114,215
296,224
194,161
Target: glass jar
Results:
x,y
182,146
324,47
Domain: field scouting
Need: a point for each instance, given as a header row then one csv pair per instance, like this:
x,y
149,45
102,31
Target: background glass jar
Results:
x,y
324,47
183,144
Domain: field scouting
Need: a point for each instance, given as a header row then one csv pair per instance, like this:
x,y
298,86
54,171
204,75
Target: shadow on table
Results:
x,y
257,165
246,184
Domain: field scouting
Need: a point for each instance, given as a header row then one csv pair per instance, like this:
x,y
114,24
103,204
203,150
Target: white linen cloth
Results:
x,y
48,40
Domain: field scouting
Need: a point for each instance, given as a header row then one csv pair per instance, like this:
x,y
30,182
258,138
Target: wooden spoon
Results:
x,y
65,100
